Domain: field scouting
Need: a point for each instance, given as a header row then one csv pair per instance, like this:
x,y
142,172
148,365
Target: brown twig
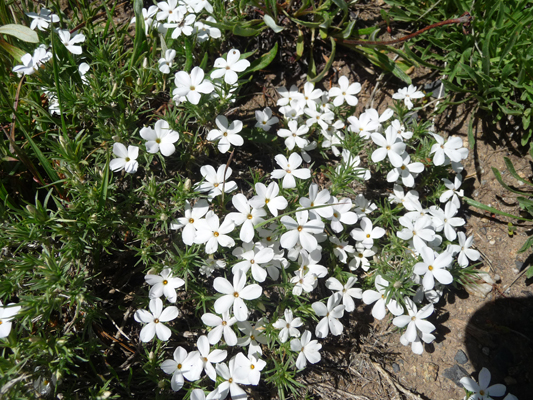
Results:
x,y
464,19
395,385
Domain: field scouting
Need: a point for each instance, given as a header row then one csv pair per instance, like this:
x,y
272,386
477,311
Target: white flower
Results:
x,y
253,336
182,366
83,69
6,315
293,135
364,125
209,266
407,94
308,350
302,281
69,42
252,258
220,326
400,130
407,171
367,233
126,158
482,391
342,214
169,10
161,138
189,221
451,150
154,320
166,62
264,119
319,200
409,200
310,96
246,216
415,323
318,117
268,197
446,219
345,92
215,181
234,295
288,326
341,249
252,365
391,145
229,68
301,232
204,31
183,23
164,284
380,298
465,252
206,357
232,374
148,18
288,97
289,170
434,268
363,206
331,314
43,19
453,191
361,256
213,234
226,134
347,292
421,231
31,64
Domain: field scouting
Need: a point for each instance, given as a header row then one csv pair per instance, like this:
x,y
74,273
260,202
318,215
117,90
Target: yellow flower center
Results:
x,y
165,282
288,325
300,229
156,320
158,140
250,216
191,221
368,235
215,185
252,366
430,267
224,323
267,201
235,294
127,159
216,234
252,337
388,147
192,88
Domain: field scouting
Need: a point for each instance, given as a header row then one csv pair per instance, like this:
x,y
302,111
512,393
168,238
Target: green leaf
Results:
x,y
299,45
238,30
272,24
471,138
342,5
486,52
493,210
139,43
328,65
512,171
15,52
506,186
305,23
347,32
525,246
367,31
188,55
264,60
529,272
20,32
102,198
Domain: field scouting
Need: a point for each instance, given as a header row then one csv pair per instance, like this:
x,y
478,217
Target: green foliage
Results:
x,y
492,65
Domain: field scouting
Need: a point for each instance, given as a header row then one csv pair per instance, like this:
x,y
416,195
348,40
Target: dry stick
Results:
x,y
464,19
101,14
505,289
395,384
350,395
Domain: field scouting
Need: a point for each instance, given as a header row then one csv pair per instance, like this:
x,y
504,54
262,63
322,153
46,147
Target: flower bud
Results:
x,y
187,185
145,63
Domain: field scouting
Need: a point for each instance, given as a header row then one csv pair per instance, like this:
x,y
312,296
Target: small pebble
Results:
x,y
476,193
492,242
395,367
461,357
519,264
497,278
485,350
455,374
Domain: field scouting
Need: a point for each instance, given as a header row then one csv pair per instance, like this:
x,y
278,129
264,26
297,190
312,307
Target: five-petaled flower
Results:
x,y
154,320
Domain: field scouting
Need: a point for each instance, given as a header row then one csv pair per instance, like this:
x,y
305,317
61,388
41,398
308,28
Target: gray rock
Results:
x,y
461,357
395,367
455,374
519,265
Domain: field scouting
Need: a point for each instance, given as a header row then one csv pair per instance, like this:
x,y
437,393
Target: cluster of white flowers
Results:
x,y
483,391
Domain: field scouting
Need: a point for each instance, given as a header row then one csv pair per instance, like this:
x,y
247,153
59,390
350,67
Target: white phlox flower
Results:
x,y
213,234
148,18
308,350
363,206
169,11
374,115
190,220
304,152
199,5
220,326
265,120
417,327
166,62
204,31
126,158
289,170
43,19
161,138
367,233
226,134
301,231
288,326
235,294
482,391
347,291
154,320
70,43
183,24
324,119
209,266
331,314
293,135
401,130
408,171
434,268
453,191
31,64
183,366
465,251
228,68
310,96
253,258
345,92
253,336
164,284
291,113
233,375
215,181
252,365
341,249
360,257
83,69
364,125
446,219
451,150
333,138
268,196
342,214
319,200
309,264
303,282
379,297
207,357
246,217
389,146
407,94
7,313
288,97
420,231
